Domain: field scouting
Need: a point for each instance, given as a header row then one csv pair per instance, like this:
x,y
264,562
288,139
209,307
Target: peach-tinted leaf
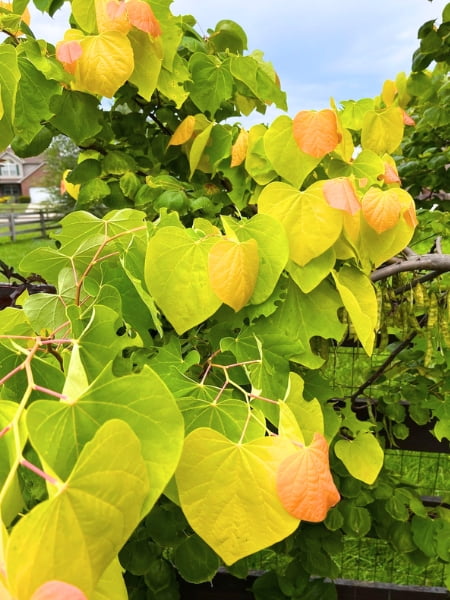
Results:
x,y
304,482
407,120
410,216
239,149
381,209
68,52
183,132
233,271
316,132
116,10
390,174
57,590
141,16
340,193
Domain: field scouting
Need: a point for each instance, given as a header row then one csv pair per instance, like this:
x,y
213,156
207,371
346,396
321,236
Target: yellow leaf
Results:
x,y
228,492
106,63
183,132
111,16
71,188
316,132
312,225
239,149
233,271
389,92
304,482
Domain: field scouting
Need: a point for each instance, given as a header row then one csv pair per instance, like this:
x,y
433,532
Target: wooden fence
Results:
x,y
15,221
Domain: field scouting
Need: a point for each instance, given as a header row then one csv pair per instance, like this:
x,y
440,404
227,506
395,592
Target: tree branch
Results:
x,y
439,263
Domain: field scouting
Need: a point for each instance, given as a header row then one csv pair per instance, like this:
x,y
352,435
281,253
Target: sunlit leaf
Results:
x,y
359,298
312,225
88,520
176,274
316,132
233,270
304,482
141,16
362,456
382,131
239,149
381,208
183,132
228,492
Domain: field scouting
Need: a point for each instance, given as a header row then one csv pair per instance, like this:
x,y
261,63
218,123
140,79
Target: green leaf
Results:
x,y
253,74
65,537
32,100
308,413
92,192
198,147
212,82
352,116
228,416
85,15
228,35
286,158
12,502
60,430
228,492
195,560
9,78
382,131
362,456
176,274
85,171
76,115
257,163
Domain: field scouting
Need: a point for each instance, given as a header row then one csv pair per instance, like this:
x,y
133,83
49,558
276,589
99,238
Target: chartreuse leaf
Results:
x,y
257,163
362,456
76,534
312,225
84,14
111,585
176,274
359,298
12,503
9,78
233,271
198,147
308,413
379,247
59,430
228,492
308,277
382,131
304,482
252,73
148,54
230,416
273,250
286,158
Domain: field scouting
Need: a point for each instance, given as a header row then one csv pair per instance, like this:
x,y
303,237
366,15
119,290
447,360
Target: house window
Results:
x,y
9,169
10,189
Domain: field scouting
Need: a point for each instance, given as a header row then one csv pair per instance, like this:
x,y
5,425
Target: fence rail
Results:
x,y
15,223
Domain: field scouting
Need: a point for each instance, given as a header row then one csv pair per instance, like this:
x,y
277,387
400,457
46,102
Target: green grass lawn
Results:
x,y
12,253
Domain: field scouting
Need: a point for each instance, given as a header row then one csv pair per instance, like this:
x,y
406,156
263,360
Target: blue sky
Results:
x,y
343,49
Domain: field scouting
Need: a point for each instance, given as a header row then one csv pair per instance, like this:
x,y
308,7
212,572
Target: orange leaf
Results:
x,y
381,209
410,216
340,193
390,174
233,270
407,120
183,132
239,149
141,16
304,482
316,132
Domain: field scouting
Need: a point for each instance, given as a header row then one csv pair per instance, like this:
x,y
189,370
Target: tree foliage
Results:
x,y
164,411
